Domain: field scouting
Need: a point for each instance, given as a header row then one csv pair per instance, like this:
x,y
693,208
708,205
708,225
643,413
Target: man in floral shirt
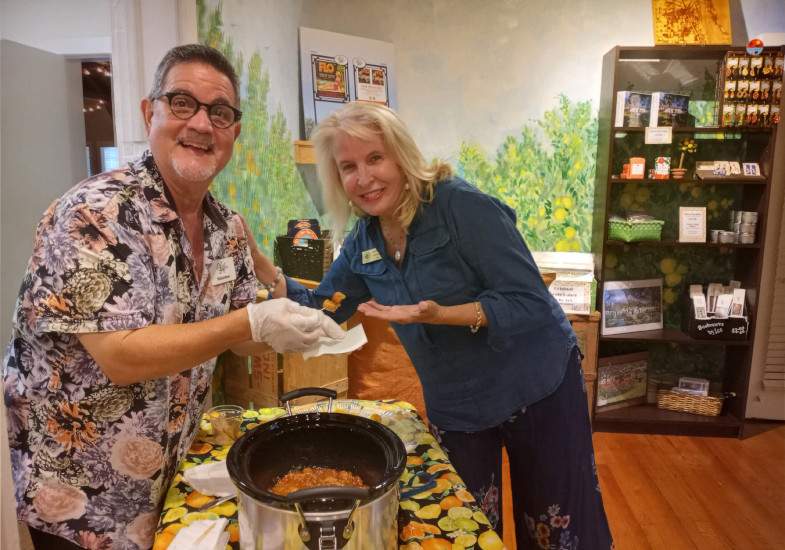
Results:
x,y
138,279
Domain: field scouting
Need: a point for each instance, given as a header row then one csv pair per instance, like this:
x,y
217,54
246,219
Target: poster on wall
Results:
x,y
329,78
338,68
370,82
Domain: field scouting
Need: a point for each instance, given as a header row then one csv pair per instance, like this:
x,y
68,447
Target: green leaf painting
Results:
x,y
546,174
261,182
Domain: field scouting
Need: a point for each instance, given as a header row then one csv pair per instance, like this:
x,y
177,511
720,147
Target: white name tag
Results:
x,y
371,255
222,271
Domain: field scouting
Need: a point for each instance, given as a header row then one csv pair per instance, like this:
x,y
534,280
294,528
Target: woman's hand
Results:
x,y
426,311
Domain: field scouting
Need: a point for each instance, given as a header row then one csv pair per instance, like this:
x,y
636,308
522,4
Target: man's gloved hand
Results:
x,y
287,326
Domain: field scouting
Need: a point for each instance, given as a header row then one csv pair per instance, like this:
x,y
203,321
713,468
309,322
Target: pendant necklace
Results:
x,y
396,244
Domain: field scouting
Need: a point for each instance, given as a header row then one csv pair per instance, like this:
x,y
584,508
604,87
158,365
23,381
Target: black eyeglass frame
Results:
x,y
238,114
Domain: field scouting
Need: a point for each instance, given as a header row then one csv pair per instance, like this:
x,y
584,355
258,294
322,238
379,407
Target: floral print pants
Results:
x,y
555,490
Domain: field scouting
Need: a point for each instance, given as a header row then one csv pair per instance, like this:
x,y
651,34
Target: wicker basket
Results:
x,y
634,230
706,405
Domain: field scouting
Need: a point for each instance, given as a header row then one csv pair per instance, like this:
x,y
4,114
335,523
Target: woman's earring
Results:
x,y
351,205
406,186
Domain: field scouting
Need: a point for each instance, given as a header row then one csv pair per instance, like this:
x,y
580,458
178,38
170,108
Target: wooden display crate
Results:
x,y
259,380
587,329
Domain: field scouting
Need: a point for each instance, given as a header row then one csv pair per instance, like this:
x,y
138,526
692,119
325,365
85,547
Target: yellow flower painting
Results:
x,y
691,21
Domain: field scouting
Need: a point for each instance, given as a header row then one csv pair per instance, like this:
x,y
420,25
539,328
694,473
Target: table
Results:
x,y
444,516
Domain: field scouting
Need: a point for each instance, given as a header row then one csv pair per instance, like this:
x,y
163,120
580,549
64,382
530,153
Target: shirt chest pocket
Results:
x,y
437,267
376,277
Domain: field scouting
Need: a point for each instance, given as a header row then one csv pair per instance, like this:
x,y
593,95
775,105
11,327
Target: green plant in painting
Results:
x,y
261,182
549,184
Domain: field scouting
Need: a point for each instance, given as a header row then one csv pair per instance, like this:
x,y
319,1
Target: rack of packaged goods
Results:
x,y
675,174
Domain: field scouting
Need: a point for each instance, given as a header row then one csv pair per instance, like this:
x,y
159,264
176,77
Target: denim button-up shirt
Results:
x,y
461,247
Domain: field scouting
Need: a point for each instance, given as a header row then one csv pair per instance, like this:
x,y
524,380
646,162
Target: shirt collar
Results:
x,y
161,202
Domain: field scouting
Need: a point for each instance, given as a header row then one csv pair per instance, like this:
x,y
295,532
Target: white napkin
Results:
x,y
354,339
211,479
203,534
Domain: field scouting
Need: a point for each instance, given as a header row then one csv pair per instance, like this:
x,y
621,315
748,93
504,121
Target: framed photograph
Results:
x,y
621,381
751,169
692,224
631,306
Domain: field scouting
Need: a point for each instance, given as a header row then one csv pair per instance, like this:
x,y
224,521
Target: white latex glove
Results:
x,y
287,326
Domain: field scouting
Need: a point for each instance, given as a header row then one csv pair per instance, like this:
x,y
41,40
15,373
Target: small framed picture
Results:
x,y
621,380
735,168
692,224
631,306
751,169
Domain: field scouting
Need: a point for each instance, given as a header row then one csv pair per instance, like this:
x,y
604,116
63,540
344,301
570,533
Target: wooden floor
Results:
x,y
678,492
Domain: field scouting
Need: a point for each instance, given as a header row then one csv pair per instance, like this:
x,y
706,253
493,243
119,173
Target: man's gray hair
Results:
x,y
191,53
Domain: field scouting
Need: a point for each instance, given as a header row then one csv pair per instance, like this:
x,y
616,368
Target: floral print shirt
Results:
x,y
91,460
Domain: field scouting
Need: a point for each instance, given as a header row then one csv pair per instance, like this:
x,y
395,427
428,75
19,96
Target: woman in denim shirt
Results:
x,y
497,358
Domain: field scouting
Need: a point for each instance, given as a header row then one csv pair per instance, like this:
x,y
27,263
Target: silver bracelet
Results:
x,y
278,276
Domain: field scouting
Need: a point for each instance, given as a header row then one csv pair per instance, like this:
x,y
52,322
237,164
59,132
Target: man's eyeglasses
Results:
x,y
185,106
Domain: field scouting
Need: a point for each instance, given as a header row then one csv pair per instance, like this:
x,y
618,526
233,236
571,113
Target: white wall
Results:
x,y
77,28
42,152
453,56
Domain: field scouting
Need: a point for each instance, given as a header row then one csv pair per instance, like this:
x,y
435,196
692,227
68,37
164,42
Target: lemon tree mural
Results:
x,y
546,174
261,182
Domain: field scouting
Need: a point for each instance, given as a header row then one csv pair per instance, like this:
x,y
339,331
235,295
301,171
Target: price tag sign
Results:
x,y
660,135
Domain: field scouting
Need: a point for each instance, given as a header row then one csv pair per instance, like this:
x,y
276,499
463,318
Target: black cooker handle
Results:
x,y
313,493
302,392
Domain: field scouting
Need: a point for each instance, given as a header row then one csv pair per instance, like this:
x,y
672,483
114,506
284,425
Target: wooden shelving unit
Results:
x,y
662,68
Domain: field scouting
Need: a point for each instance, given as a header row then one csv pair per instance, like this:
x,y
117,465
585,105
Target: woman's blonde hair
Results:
x,y
364,120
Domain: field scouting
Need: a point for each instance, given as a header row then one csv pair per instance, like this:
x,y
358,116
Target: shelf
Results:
x,y
638,68
650,419
700,129
669,335
678,244
752,180
304,152
655,53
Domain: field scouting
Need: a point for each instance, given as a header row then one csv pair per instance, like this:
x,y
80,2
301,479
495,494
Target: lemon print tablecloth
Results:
x,y
436,510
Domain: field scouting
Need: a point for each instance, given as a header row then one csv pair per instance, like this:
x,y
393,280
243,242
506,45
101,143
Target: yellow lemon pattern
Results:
x,y
445,515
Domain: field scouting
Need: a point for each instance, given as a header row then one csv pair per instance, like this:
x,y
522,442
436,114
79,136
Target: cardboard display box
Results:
x,y
259,380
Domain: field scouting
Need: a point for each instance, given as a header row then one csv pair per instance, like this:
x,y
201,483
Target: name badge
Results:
x,y
371,255
222,271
